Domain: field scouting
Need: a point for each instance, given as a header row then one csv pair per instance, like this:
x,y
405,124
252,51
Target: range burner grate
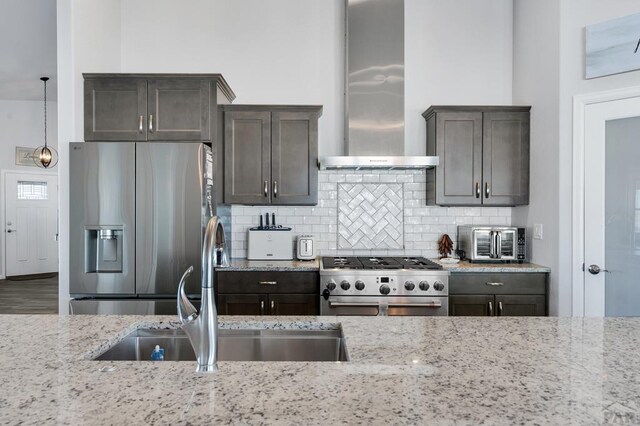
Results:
x,y
341,262
379,263
418,263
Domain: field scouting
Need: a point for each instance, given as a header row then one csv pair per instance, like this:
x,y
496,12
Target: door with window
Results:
x,y
612,208
31,223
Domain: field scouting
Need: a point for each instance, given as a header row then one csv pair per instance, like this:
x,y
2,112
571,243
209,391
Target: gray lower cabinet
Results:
x,y
498,294
484,155
267,293
153,107
471,306
271,154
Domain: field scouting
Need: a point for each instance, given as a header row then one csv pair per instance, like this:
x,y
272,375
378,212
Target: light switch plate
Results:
x,y
537,231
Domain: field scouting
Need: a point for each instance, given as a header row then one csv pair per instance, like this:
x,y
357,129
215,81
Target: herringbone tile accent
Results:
x,y
370,216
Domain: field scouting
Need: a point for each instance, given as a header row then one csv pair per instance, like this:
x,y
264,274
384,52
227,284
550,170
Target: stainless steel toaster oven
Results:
x,y
492,243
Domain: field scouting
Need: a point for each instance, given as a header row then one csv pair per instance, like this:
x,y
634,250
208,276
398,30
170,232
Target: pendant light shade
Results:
x,y
44,156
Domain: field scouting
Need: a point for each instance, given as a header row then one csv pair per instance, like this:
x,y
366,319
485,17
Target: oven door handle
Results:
x,y
353,304
417,305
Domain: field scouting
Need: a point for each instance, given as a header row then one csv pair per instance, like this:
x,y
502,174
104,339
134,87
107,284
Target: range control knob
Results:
x,y
438,286
331,285
409,285
424,285
359,285
384,289
345,285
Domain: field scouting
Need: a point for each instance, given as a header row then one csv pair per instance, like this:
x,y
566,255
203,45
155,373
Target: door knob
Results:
x,y
595,269
10,231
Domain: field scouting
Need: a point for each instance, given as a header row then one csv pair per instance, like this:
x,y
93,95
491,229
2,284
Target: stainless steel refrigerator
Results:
x,y
137,218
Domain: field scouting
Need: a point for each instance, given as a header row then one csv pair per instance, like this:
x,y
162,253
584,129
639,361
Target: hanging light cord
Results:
x,y
45,113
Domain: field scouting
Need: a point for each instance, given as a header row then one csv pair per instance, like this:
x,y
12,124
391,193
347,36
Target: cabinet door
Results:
x,y
242,304
179,110
472,306
459,146
294,304
115,109
520,305
505,166
247,155
294,158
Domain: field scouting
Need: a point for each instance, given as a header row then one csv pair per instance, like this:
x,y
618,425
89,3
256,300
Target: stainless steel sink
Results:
x,y
234,345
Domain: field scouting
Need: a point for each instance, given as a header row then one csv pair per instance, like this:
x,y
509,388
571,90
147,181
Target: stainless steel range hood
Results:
x,y
374,98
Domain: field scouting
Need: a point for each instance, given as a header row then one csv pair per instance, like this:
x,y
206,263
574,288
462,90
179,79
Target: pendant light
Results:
x,y
44,156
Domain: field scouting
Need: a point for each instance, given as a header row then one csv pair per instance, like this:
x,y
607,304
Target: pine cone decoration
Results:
x,y
445,246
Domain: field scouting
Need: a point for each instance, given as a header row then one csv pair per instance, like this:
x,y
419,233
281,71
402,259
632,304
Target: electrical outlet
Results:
x,y
537,231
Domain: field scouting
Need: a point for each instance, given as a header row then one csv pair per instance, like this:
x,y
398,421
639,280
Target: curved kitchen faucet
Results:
x,y
202,328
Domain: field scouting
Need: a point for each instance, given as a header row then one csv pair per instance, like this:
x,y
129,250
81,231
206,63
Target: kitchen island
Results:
x,y
402,370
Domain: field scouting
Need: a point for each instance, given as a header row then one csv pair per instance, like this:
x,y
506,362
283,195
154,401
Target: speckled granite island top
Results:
x,y
468,267
272,265
403,370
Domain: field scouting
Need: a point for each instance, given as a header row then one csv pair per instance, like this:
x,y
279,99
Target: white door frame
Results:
x,y
580,102
3,204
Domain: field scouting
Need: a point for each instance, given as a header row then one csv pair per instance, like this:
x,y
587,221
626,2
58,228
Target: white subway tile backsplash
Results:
x,y
423,225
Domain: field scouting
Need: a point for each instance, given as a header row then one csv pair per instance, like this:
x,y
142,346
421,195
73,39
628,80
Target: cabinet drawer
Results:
x,y
264,282
507,283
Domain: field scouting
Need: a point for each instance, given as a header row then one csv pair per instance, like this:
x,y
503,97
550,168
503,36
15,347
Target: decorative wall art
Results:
x,y
24,156
613,46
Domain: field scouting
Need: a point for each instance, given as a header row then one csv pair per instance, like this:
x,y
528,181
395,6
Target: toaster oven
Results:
x,y
492,243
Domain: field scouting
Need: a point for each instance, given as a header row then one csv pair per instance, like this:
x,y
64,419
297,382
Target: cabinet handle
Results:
x,y
151,123
273,307
499,308
494,284
477,189
141,124
268,282
275,188
266,188
262,307
490,309
487,190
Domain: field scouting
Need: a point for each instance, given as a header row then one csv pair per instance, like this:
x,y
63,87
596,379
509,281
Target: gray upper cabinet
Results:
x,y
484,155
271,154
247,157
505,158
153,107
115,109
179,110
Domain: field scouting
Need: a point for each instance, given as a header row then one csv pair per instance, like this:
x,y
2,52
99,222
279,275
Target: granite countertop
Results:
x,y
468,267
403,370
272,265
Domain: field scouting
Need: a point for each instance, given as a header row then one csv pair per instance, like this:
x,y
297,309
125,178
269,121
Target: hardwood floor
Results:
x,y
34,296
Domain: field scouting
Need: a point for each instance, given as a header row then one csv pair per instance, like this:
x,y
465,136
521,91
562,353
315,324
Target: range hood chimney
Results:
x,y
374,98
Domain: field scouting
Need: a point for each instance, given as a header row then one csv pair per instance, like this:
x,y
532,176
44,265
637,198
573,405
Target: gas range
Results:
x,y
370,285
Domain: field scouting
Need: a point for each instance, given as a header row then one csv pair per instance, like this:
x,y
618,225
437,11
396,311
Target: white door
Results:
x,y
612,208
31,223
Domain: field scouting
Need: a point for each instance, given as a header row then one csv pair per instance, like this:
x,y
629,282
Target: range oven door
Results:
x,y
388,306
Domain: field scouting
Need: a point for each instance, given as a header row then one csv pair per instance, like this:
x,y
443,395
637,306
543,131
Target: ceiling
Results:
x,y
27,49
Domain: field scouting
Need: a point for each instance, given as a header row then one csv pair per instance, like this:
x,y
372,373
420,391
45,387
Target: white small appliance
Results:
x,y
270,244
305,249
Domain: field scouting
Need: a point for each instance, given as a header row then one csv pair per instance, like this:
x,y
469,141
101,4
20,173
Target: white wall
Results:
x,y
22,124
291,51
279,51
536,82
456,53
575,15
548,72
88,41
276,51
